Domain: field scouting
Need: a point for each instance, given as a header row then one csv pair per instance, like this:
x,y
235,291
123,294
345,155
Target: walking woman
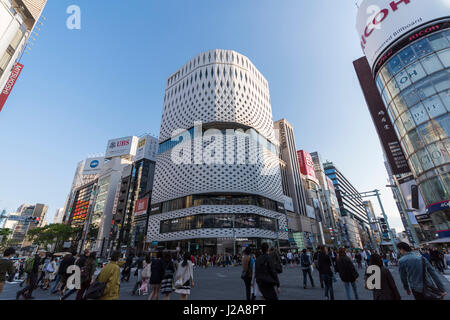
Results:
x,y
388,289
156,277
326,274
247,272
50,270
87,274
169,272
348,273
184,277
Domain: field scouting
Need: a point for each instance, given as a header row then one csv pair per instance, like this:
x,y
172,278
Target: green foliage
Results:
x,y
52,234
5,242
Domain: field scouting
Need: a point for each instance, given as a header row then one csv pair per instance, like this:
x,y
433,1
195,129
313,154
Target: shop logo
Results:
x,y
94,164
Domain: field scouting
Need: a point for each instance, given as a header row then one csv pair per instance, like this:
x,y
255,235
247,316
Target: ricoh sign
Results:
x,y
382,22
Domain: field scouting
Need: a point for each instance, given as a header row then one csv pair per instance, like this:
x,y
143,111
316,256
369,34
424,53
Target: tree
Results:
x,y
52,234
4,235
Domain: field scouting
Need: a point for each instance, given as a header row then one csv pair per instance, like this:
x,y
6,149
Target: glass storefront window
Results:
x,y
414,140
441,80
431,64
419,114
400,103
438,153
394,66
422,48
446,180
438,41
407,120
410,96
425,88
407,55
445,96
416,72
402,82
386,96
415,164
442,125
379,83
445,57
385,75
427,132
400,127
428,193
393,111
434,106
425,159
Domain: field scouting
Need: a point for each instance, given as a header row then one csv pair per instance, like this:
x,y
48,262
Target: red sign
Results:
x,y
306,164
141,207
17,69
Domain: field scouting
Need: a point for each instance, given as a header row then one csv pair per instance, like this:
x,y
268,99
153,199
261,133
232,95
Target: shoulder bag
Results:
x,y
430,292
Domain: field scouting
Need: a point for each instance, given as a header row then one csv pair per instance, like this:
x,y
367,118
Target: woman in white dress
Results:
x,y
184,277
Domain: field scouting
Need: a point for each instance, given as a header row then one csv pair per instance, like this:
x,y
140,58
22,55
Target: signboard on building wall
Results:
x,y
147,148
141,206
121,147
382,22
380,118
16,70
93,165
306,165
116,199
288,204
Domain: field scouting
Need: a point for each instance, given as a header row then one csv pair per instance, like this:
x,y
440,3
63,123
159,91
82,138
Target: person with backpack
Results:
x,y
358,259
274,255
32,270
326,274
348,273
6,267
110,275
266,275
169,272
247,274
87,264
388,289
306,265
184,277
418,275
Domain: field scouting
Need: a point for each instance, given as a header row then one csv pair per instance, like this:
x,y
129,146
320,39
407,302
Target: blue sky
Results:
x,y
80,88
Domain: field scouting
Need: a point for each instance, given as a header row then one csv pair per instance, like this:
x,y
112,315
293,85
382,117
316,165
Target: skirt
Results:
x,y
167,285
185,289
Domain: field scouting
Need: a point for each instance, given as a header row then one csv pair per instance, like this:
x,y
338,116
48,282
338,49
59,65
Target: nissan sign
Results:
x,y
382,22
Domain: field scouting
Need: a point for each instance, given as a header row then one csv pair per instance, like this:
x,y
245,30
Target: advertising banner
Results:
x,y
93,165
121,147
141,206
306,165
381,119
382,22
288,204
147,148
16,70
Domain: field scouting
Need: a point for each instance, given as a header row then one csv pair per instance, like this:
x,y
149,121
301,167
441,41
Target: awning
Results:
x,y
441,240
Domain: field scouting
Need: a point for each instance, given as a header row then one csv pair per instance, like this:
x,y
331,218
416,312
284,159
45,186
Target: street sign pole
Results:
x,y
377,193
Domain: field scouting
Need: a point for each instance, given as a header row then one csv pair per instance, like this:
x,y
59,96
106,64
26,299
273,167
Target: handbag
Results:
x,y
179,281
95,291
430,292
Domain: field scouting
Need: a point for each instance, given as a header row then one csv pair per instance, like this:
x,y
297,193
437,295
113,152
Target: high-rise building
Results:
x,y
409,60
59,215
217,182
131,218
17,21
19,236
354,216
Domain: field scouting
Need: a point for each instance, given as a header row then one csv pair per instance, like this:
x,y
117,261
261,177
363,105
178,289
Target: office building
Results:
x,y
217,181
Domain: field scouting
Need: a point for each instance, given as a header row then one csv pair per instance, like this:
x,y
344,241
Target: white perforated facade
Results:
x,y
223,90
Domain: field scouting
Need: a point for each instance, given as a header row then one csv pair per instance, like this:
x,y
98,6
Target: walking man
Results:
x,y
6,267
32,268
305,263
418,275
266,275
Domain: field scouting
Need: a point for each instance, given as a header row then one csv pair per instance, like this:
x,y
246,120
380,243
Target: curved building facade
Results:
x,y
217,181
407,44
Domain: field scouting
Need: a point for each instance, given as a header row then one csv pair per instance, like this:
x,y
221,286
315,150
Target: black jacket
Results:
x,y
388,289
324,264
346,269
65,263
265,272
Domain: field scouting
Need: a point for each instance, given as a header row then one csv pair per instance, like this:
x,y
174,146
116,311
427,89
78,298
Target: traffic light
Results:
x,y
414,197
34,220
384,228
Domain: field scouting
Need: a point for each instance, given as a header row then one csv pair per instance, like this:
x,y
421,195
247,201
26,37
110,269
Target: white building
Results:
x,y
59,215
17,20
216,191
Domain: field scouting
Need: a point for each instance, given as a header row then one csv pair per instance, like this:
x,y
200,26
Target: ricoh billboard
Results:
x,y
121,147
382,22
147,148
93,165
